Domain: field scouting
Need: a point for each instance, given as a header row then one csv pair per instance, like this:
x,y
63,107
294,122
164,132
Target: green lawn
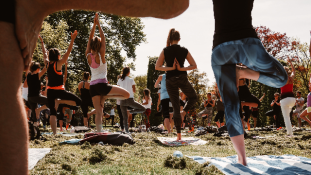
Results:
x,y
147,156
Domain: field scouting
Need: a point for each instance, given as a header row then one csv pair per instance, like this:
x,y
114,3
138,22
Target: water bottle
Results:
x,y
178,154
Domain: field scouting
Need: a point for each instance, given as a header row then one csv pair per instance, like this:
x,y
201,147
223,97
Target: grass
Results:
x,y
147,156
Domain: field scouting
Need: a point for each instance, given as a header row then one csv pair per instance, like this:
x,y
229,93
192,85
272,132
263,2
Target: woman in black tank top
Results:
x,y
176,76
34,86
84,88
56,93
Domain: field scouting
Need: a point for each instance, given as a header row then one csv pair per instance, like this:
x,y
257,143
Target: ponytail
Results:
x,y
173,35
125,71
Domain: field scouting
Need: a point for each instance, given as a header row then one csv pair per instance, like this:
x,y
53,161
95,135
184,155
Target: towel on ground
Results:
x,y
266,164
171,141
35,154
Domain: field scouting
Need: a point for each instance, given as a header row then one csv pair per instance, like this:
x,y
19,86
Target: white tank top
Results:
x,y
147,106
101,71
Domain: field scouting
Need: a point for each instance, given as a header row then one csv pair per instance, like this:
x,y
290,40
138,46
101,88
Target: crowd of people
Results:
x,y
237,56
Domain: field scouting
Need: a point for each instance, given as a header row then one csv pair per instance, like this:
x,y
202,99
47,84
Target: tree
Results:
x,y
152,77
281,47
121,33
198,81
141,84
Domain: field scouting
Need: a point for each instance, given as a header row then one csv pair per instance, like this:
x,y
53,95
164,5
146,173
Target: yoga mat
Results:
x,y
36,154
71,141
184,142
267,164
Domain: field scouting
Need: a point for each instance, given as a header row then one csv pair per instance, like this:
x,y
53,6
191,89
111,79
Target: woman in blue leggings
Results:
x,y
235,41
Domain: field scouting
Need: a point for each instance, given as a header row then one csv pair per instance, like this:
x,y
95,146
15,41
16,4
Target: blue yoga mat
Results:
x,y
267,164
71,141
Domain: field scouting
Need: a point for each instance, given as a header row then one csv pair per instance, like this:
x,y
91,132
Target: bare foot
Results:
x,y
29,17
240,161
178,136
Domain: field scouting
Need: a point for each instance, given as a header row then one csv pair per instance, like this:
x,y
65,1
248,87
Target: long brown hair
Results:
x,y
95,44
125,71
173,35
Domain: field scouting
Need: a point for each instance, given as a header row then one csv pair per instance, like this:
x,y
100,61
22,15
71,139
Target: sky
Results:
x,y
196,27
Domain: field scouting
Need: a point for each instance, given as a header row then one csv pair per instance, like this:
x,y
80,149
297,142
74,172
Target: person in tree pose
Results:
x,y
56,92
288,98
129,84
84,89
208,111
307,111
147,102
20,24
176,76
299,105
99,88
255,113
236,41
34,87
276,112
167,111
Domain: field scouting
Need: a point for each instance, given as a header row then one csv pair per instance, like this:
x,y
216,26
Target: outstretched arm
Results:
x,y
293,69
45,55
88,47
103,41
262,97
66,55
65,73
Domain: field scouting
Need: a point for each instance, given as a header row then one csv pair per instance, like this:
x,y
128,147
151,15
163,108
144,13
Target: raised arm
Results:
x,y
65,73
262,97
192,63
88,47
42,72
292,76
103,41
160,61
66,55
45,55
156,85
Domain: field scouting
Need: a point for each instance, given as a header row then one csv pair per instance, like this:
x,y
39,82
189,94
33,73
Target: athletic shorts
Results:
x,y
220,116
100,89
166,110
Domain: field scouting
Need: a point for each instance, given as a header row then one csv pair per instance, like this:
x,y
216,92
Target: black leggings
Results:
x,y
166,107
120,116
63,95
85,107
33,103
220,116
172,86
